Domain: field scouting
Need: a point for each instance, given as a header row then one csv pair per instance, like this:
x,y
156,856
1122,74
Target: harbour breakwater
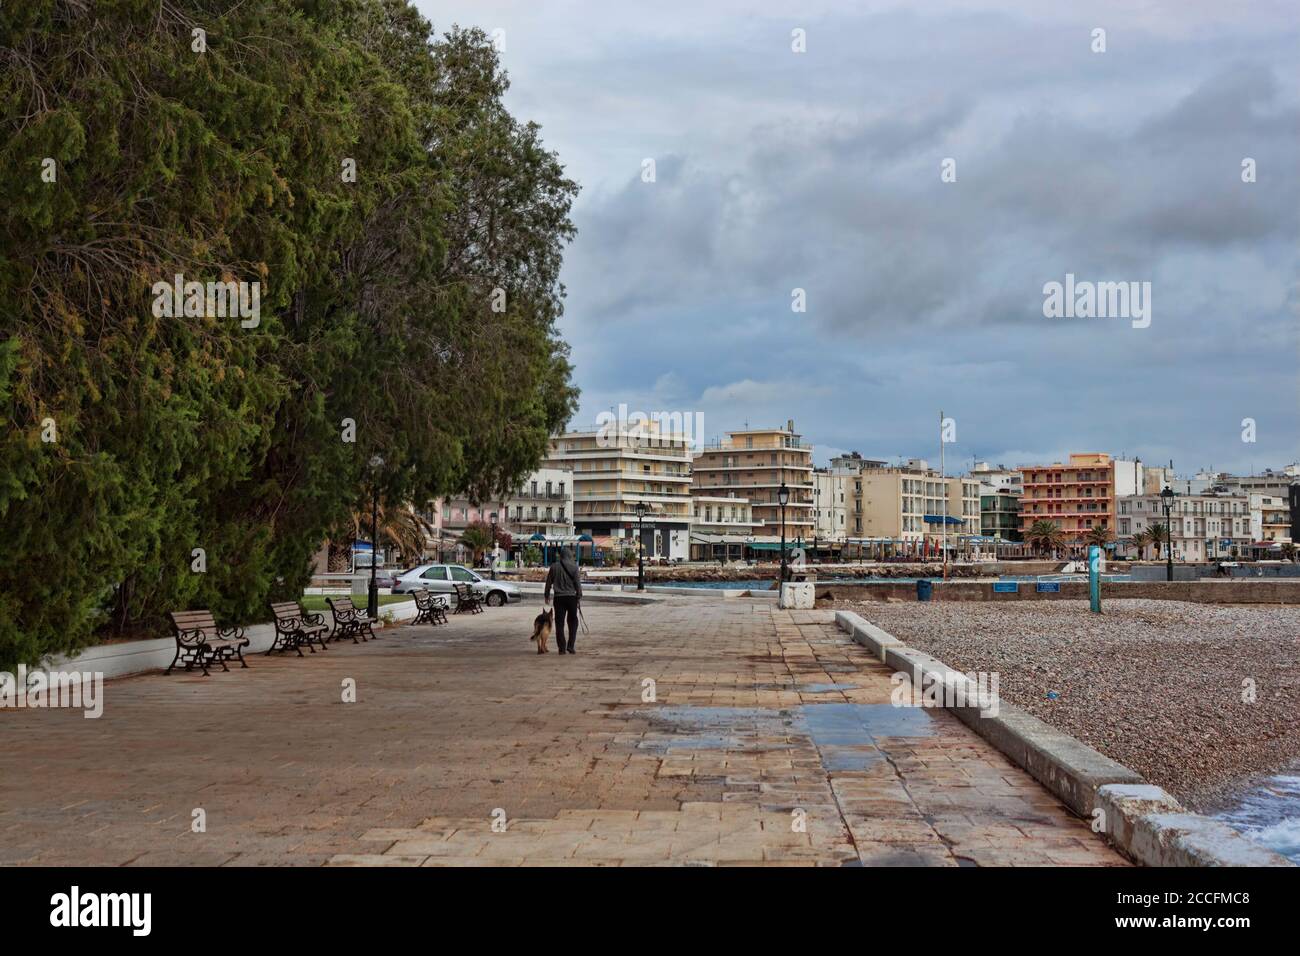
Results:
x,y
824,573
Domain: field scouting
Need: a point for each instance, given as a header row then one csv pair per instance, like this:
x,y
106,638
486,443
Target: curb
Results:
x,y
1141,820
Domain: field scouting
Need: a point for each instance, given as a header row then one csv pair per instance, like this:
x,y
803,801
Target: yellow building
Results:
x,y
904,509
753,464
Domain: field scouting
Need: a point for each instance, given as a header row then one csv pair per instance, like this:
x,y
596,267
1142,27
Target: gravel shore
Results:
x,y
1156,685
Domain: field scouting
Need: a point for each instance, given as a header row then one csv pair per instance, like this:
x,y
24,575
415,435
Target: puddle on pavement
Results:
x,y
806,688
846,735
715,728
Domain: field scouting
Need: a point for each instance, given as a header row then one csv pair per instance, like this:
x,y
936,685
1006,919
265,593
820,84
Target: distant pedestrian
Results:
x,y
565,580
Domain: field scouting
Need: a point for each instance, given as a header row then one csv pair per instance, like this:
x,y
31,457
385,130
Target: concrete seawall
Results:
x,y
1233,591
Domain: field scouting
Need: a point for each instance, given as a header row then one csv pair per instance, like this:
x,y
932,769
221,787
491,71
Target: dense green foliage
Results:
x,y
377,296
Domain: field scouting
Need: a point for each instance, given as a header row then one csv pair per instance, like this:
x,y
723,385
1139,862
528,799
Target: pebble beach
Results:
x,y
1156,685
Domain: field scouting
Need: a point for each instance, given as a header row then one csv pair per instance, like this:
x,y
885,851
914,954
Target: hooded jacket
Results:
x,y
563,578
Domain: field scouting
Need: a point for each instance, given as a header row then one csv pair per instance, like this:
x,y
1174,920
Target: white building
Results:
x,y
1202,527
996,479
1270,519
543,504
721,527
832,500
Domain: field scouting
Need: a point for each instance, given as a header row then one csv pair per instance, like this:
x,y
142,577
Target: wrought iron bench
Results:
x,y
430,608
199,641
350,620
295,627
466,600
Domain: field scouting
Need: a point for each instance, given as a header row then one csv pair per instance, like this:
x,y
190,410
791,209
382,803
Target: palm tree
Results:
x,y
477,536
1100,536
1043,536
1158,534
402,527
1140,541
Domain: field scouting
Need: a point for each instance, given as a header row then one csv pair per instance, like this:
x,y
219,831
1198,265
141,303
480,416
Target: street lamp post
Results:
x,y
782,496
493,518
372,605
640,546
1167,498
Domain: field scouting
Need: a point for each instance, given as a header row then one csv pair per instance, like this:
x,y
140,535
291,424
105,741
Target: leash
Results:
x,y
583,618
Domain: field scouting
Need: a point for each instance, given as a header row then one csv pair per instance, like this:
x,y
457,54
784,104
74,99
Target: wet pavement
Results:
x,y
692,731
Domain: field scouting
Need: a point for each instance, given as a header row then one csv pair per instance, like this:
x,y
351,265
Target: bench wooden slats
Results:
x,y
466,600
429,608
200,641
295,627
350,620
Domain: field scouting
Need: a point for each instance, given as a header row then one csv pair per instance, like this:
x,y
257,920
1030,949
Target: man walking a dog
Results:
x,y
566,581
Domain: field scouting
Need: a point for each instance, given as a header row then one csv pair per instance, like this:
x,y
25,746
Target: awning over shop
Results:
x,y
561,538
942,519
699,537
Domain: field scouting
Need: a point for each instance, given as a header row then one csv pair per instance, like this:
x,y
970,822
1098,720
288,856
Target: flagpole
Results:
x,y
943,488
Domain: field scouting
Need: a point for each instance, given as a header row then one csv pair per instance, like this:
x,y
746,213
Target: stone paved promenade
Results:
x,y
762,719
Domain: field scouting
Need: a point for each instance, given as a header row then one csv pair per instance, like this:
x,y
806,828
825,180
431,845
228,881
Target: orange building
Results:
x,y
1076,496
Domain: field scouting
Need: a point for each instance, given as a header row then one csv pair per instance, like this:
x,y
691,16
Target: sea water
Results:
x,y
1269,814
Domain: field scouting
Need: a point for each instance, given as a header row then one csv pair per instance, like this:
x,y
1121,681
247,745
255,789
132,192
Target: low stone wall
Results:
x,y
1231,591
127,658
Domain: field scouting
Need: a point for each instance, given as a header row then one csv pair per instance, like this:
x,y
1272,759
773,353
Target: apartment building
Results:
x,y
542,504
721,527
1077,495
999,513
1201,527
831,504
996,478
909,505
1269,482
753,463
614,470
1270,517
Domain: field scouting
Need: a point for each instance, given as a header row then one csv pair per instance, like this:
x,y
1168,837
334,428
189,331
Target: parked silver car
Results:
x,y
440,578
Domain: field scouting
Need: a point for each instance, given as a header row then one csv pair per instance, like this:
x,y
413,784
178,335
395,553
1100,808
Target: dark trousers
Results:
x,y
566,606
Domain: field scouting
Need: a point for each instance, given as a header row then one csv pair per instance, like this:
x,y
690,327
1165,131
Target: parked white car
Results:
x,y
440,578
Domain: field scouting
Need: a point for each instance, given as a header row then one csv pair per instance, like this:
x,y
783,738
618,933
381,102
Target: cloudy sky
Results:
x,y
821,171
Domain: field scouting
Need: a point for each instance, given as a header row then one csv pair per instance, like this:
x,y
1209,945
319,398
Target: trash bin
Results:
x,y
924,588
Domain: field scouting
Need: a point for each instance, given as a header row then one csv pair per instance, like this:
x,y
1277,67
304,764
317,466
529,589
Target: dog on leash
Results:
x,y
542,625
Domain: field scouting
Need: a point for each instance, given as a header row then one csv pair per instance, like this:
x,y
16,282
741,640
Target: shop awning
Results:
x,y
941,519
